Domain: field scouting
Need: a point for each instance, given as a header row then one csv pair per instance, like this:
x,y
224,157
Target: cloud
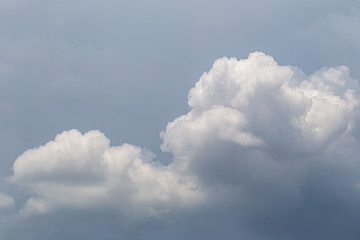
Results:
x,y
6,201
256,104
273,143
330,40
342,27
264,148
84,172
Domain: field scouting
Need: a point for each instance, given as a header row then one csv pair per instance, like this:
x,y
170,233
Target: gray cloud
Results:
x,y
6,201
330,40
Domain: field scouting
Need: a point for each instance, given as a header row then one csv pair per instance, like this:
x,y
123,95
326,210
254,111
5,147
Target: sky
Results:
x,y
179,119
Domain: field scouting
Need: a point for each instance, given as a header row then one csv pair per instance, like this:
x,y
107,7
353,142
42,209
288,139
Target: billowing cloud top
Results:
x,y
260,137
257,102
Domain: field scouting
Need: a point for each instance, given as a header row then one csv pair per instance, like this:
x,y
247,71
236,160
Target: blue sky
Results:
x,y
179,119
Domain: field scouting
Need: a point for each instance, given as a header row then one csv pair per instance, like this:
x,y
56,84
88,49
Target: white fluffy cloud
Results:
x,y
83,171
264,139
257,103
270,142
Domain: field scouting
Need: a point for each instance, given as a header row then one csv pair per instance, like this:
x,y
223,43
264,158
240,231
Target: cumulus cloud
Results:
x,y
83,171
273,140
260,142
255,103
6,201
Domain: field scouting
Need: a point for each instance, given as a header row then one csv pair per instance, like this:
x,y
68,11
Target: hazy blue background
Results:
x,y
125,67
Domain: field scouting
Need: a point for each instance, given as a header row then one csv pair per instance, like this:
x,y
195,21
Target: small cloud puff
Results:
x,y
6,201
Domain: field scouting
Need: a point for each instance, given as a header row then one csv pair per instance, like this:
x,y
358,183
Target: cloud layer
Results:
x,y
272,149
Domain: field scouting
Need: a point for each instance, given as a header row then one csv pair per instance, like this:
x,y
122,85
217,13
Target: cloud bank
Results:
x,y
83,171
276,148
